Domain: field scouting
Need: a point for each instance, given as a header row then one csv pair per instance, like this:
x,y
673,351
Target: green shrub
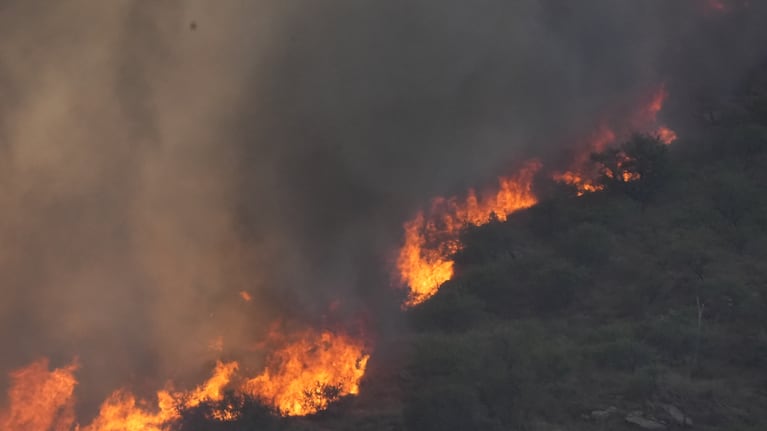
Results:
x,y
447,407
589,245
621,355
452,309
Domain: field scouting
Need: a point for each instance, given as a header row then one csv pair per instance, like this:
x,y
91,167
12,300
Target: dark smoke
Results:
x,y
151,169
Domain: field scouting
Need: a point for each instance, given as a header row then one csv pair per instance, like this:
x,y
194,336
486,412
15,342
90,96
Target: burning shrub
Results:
x,y
246,414
307,374
638,168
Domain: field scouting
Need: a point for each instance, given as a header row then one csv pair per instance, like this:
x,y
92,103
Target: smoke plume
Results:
x,y
158,158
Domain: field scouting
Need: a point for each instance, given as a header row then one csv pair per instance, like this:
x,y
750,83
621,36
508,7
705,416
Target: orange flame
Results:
x,y
645,118
306,375
122,412
666,135
424,261
302,377
582,184
40,400
656,103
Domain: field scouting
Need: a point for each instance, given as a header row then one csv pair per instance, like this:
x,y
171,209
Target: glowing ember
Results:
x,y
305,376
424,261
40,400
247,297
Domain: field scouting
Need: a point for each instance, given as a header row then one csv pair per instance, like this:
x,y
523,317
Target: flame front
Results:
x,y
123,412
306,375
40,400
424,261
302,377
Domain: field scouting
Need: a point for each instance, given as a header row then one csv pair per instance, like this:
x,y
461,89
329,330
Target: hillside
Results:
x,y
642,305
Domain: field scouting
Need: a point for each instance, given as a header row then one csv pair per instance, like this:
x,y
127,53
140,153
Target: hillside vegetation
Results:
x,y
643,305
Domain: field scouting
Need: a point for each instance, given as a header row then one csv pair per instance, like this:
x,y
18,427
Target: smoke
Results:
x,y
157,158
116,237
367,110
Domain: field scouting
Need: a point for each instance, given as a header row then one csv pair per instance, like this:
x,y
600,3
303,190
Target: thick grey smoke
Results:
x,y
366,110
156,158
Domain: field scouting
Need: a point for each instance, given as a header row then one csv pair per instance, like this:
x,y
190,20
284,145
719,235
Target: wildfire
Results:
x,y
424,261
122,412
582,184
302,377
583,178
666,135
305,376
40,400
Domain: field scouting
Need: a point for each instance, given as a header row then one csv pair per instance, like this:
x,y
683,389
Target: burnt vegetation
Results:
x,y
644,301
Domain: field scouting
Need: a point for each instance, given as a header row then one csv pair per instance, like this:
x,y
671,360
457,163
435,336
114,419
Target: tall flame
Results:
x,y
40,400
123,412
306,375
302,377
424,261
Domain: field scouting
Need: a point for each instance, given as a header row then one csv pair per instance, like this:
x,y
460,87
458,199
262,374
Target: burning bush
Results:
x,y
251,414
638,168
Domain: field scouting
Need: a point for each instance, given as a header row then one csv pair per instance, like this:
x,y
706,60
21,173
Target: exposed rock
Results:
x,y
677,415
638,419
